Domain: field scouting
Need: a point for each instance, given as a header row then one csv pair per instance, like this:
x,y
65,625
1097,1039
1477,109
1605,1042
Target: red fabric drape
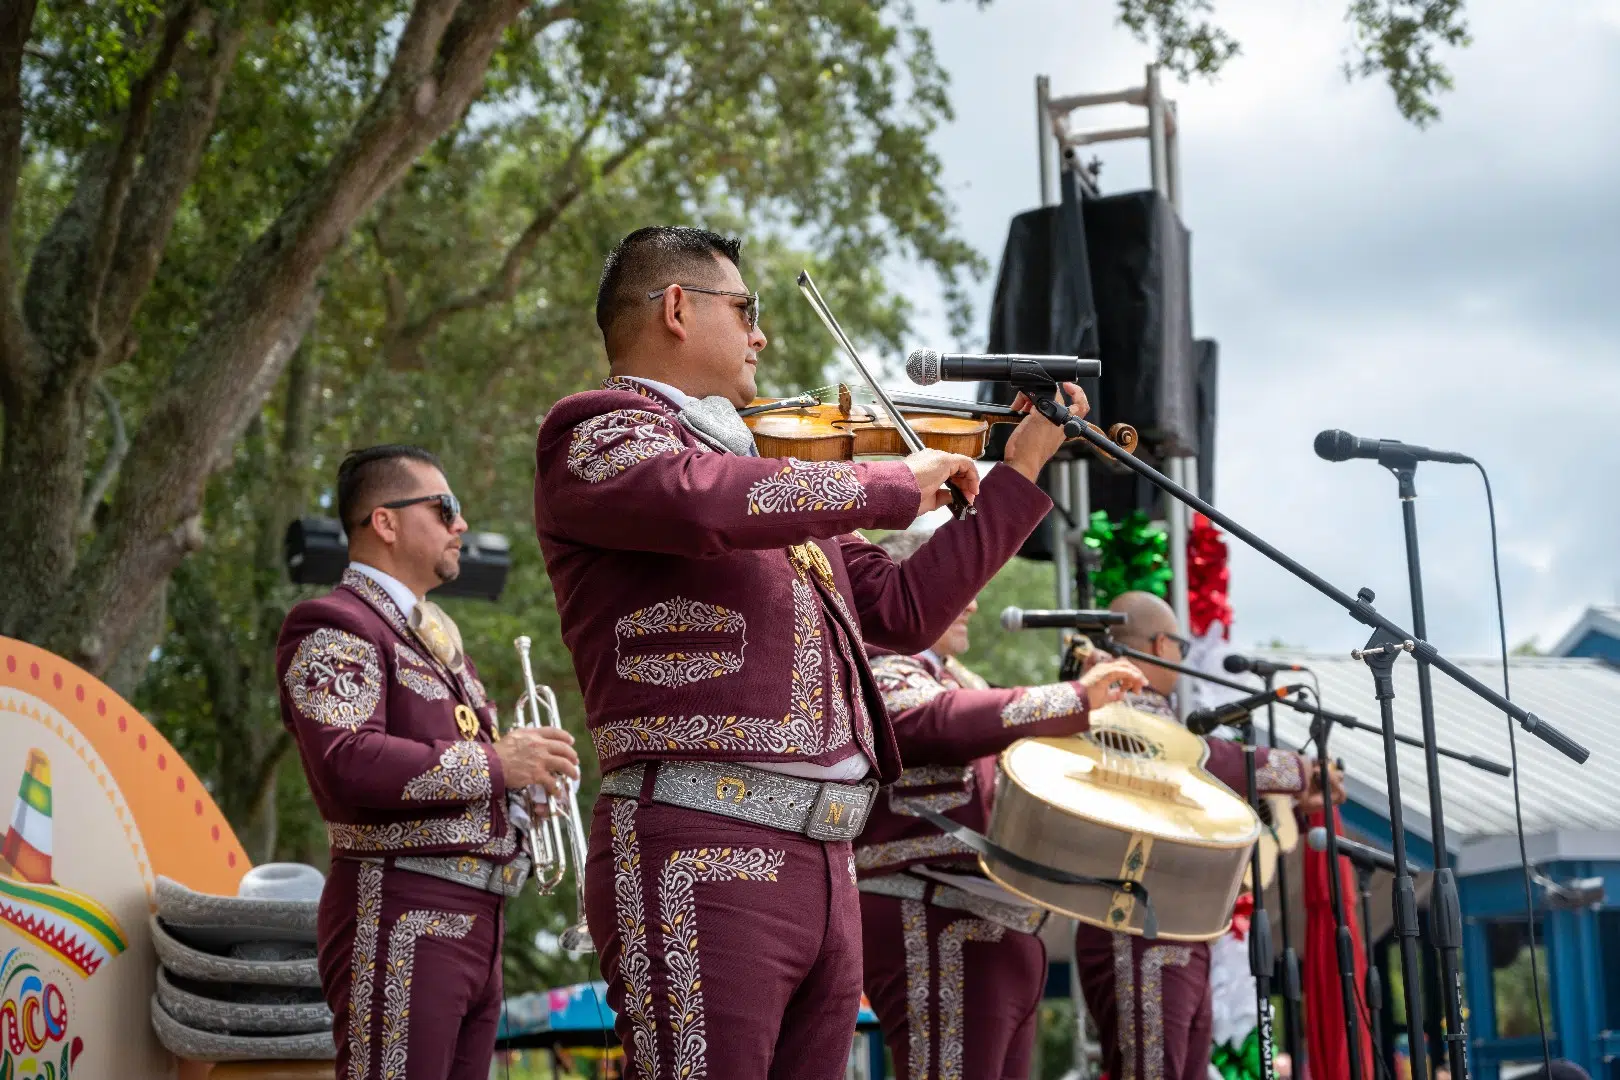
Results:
x,y
1329,1057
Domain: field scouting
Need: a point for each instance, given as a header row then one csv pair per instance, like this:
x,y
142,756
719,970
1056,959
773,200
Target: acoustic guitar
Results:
x,y
1129,799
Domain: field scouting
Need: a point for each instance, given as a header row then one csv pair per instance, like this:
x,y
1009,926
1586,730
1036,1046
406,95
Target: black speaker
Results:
x,y
1208,364
317,552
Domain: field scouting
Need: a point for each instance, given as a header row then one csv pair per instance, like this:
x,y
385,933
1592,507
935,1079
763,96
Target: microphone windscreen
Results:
x,y
1012,618
922,367
1235,664
1317,838
1335,445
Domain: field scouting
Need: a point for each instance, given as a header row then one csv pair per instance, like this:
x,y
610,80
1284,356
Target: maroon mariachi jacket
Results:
x,y
951,726
374,715
717,607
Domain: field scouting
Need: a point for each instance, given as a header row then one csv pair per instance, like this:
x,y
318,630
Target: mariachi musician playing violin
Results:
x,y
717,605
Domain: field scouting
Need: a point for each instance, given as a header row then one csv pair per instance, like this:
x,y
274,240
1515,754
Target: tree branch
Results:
x,y
169,163
264,380
121,171
195,417
16,24
404,347
109,467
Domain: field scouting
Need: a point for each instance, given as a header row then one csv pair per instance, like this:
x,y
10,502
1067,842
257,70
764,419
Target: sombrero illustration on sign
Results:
x,y
104,807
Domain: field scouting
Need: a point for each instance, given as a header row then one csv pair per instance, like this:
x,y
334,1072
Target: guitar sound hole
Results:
x,y
1121,742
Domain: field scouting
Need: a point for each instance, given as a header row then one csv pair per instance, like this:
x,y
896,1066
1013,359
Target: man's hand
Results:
x,y
1109,682
933,468
538,756
1036,439
1311,801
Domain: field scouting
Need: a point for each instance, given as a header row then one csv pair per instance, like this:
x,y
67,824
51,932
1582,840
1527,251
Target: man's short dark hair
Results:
x,y
652,258
375,475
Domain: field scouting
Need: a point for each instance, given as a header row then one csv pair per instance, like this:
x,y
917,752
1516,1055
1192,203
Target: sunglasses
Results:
x,y
1182,644
449,506
750,312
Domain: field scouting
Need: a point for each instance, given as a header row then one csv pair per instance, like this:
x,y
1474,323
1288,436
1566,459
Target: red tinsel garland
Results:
x,y
1207,579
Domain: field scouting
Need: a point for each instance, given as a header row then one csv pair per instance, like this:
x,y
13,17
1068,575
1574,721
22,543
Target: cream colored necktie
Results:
x,y
439,633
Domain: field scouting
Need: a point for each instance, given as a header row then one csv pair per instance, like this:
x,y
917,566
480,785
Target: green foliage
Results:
x,y
1025,658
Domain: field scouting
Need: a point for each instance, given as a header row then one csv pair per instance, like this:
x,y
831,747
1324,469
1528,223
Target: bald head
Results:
x,y
1150,627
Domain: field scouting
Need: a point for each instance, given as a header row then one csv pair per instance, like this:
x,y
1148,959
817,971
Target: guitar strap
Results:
x,y
983,845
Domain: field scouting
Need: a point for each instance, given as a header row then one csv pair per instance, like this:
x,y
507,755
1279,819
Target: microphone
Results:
x,y
1013,618
925,367
1362,855
1204,721
1238,664
1339,445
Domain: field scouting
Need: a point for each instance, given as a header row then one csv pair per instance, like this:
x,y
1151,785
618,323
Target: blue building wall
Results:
x,y
1597,645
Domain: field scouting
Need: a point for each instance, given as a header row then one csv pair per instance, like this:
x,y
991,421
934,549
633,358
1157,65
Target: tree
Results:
x,y
1397,39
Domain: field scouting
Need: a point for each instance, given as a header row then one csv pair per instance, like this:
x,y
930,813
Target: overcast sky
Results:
x,y
1451,287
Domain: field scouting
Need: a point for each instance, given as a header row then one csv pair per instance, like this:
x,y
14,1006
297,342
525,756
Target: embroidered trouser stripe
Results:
x,y
678,912
634,966
1150,993
363,968
952,986
919,1018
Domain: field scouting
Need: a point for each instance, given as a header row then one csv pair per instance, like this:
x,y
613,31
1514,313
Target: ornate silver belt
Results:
x,y
821,811
504,879
1014,917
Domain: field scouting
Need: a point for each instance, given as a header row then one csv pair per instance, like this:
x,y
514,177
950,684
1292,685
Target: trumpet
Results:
x,y
555,834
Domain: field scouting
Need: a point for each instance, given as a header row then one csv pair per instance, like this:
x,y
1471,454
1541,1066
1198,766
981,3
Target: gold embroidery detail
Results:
x,y
726,784
409,670
471,826
691,662
800,732
466,722
347,677
462,773
376,596
402,939
1154,961
807,487
1125,1003
930,775
904,683
1281,774
678,910
363,968
1037,703
919,1018
872,856
808,558
606,445
952,987
634,965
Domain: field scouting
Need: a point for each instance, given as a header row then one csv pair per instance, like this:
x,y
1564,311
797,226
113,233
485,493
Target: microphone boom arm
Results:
x,y
1360,607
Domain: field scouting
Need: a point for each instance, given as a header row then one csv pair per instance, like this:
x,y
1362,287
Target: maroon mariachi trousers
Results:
x,y
957,995
1150,1001
411,967
730,950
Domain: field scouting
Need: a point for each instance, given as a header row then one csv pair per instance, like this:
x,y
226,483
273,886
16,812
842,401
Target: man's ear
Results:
x,y
675,311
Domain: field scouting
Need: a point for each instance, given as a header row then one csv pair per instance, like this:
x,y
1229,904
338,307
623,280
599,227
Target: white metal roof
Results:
x,y
1581,697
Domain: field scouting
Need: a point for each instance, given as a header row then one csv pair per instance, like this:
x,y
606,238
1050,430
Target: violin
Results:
x,y
812,428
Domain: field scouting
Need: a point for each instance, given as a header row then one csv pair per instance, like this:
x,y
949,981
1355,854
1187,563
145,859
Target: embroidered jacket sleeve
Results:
x,y
1276,772
939,725
334,698
906,606
624,479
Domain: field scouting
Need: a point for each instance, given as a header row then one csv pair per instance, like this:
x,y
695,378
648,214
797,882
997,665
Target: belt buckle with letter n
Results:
x,y
839,812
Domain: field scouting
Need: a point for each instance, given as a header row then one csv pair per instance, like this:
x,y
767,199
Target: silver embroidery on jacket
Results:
x,y
872,856
471,826
904,683
1280,774
416,674
684,661
335,678
606,445
462,773
801,487
1042,703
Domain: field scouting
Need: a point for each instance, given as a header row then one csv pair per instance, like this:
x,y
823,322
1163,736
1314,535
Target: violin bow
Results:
x,y
960,507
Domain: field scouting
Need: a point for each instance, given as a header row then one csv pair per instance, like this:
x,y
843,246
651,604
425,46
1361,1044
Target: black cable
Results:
x,y
1513,756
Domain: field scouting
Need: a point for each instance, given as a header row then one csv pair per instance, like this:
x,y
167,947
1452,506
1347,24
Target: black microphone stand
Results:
x,y
1387,639
1261,960
1342,940
1291,996
1445,914
1375,984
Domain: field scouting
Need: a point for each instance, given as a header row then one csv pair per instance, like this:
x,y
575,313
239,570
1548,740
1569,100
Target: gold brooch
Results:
x,y
808,557
466,722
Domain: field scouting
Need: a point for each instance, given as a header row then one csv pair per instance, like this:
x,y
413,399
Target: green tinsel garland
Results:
x,y
1134,556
